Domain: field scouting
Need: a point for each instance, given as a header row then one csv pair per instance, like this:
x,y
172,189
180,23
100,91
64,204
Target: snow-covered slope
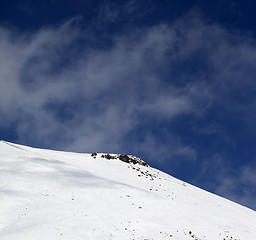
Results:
x,y
46,195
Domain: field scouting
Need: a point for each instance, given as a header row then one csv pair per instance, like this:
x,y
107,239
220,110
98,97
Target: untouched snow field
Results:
x,y
50,195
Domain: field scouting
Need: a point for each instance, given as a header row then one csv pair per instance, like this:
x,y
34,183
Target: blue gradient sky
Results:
x,y
172,82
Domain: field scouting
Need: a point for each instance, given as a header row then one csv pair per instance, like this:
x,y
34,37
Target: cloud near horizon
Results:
x,y
59,89
88,96
239,186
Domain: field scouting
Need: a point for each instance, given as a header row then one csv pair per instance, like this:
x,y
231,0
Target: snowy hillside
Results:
x,y
46,195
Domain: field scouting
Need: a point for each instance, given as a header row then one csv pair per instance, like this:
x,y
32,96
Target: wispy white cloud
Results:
x,y
236,183
239,186
88,101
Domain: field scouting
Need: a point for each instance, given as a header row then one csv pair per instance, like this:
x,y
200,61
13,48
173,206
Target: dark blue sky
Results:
x,y
172,82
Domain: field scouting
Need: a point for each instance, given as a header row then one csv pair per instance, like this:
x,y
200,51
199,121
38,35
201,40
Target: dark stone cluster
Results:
x,y
108,156
124,158
132,159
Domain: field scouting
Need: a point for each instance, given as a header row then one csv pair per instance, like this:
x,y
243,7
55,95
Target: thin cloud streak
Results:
x,y
109,88
239,187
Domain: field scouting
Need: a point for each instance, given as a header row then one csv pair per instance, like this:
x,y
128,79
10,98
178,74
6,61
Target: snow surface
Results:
x,y
48,195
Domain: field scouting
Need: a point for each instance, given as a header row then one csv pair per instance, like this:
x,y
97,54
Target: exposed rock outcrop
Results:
x,y
124,158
